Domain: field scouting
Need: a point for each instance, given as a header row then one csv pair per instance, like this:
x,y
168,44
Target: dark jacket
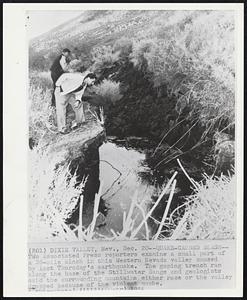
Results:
x,y
56,69
56,72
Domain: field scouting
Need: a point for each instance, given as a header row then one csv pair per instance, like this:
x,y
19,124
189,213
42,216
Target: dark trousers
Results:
x,y
54,77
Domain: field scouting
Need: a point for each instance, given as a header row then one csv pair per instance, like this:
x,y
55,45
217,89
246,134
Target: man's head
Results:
x,y
90,79
66,52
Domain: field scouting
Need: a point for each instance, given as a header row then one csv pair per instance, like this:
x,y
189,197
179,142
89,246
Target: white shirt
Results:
x,y
70,82
63,63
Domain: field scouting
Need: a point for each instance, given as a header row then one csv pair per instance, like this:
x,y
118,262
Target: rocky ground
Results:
x,y
72,145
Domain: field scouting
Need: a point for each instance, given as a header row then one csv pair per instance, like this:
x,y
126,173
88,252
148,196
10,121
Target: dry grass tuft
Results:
x,y
53,194
109,90
42,117
209,213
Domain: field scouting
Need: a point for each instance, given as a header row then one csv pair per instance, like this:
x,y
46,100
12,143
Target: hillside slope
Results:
x,y
95,27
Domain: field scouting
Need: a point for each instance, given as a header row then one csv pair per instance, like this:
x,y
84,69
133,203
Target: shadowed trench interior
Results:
x,y
122,169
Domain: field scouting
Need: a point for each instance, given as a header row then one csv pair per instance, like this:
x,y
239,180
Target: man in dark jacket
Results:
x,y
59,66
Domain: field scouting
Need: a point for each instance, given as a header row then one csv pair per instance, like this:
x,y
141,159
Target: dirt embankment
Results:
x,y
75,144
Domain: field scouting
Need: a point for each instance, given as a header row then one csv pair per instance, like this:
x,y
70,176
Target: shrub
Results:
x,y
124,45
104,57
109,90
140,48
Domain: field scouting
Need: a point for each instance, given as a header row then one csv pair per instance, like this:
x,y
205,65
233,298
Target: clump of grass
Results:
x,y
109,90
42,117
41,79
99,118
53,194
209,213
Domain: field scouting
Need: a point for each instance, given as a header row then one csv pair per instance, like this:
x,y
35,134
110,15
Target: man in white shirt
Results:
x,y
59,66
70,88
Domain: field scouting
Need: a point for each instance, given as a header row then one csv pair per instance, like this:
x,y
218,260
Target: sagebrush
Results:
x,y
109,90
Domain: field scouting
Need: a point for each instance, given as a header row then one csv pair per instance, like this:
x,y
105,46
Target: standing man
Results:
x,y
59,66
70,88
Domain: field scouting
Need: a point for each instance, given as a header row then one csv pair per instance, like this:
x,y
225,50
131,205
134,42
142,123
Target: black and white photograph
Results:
x,y
131,125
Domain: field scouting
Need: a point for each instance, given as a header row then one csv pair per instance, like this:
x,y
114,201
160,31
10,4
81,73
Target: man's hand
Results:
x,y
78,95
84,88
77,103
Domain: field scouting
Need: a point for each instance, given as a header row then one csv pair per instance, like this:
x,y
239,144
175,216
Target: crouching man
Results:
x,y
70,88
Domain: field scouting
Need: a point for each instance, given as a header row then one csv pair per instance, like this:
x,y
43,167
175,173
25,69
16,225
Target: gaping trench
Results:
x,y
122,169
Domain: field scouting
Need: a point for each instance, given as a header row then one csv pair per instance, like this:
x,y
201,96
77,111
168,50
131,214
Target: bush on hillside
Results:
x,y
140,48
104,57
124,45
